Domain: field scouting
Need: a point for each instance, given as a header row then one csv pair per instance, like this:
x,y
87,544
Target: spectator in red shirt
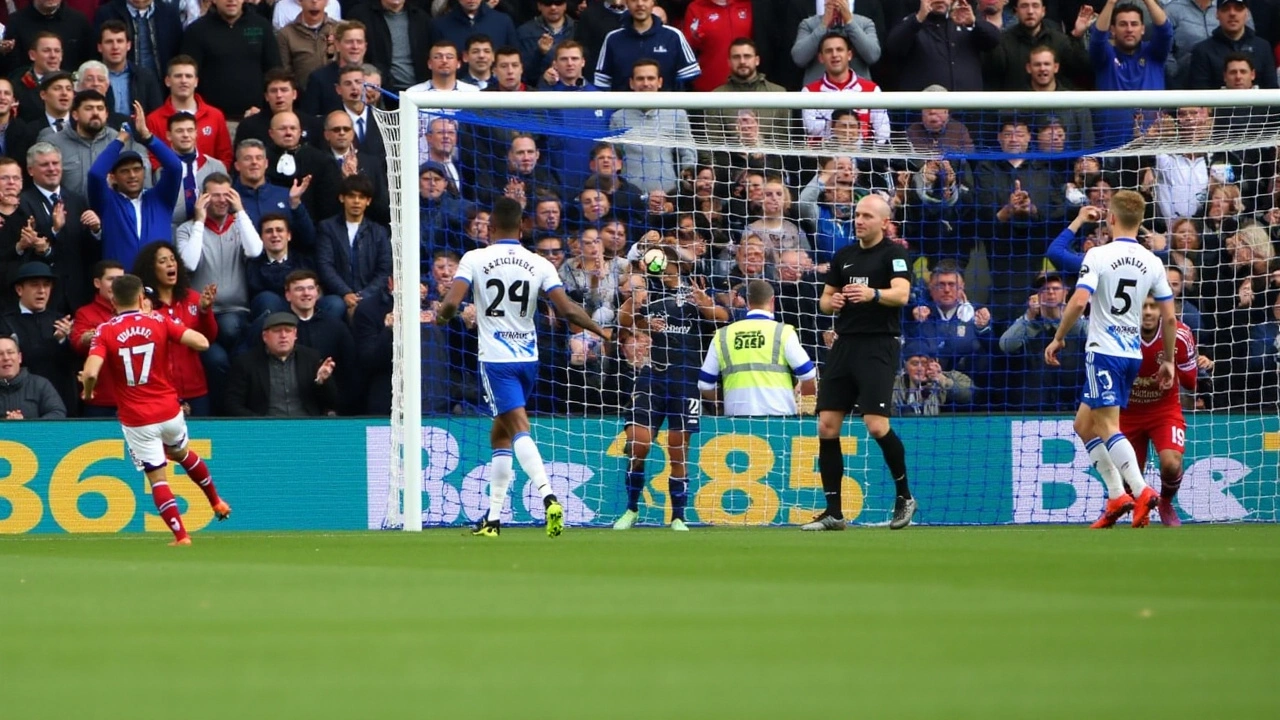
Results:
x,y
711,26
172,295
212,137
85,327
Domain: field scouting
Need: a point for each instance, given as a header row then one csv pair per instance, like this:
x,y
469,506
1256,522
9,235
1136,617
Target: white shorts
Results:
x,y
147,443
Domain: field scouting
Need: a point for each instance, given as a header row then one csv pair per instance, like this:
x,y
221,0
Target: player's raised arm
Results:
x,y
575,312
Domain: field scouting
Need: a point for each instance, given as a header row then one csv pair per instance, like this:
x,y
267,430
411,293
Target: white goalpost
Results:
x,y
1220,176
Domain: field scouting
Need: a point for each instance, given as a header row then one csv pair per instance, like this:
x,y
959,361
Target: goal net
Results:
x,y
985,191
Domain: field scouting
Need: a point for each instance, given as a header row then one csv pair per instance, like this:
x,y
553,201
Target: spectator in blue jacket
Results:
x,y
474,17
641,36
261,198
542,35
353,253
117,179
1131,63
957,332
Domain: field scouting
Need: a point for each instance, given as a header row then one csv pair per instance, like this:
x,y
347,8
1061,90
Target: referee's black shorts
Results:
x,y
859,374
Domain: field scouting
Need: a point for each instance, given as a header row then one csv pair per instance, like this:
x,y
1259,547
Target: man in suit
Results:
x,y
46,59
64,218
339,134
52,109
350,88
42,331
283,378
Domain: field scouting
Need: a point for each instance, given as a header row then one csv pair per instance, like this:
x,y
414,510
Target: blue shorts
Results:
x,y
1108,379
657,398
507,386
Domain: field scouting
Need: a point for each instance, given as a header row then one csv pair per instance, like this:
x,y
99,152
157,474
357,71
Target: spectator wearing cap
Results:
x,y
322,328
23,395
85,326
1045,388
941,44
1006,65
859,30
1233,35
52,107
442,213
84,140
63,218
1123,60
52,16
924,387
43,333
46,59
283,378
132,214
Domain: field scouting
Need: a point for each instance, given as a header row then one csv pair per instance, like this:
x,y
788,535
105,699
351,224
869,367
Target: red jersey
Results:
x,y
135,348
1147,396
91,316
186,372
710,29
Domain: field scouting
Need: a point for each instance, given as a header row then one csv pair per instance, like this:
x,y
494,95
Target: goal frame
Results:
x,y
413,103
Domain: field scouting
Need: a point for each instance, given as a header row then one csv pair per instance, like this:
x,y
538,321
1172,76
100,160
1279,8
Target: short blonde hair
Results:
x,y
1129,207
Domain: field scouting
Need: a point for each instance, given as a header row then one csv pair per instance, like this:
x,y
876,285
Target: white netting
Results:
x,y
985,206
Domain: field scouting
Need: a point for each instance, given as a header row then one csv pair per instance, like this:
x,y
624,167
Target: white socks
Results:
x,y
1107,469
501,472
531,462
1126,461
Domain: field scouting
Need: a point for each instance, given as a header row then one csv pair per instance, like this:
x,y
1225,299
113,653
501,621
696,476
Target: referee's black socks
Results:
x,y
895,456
831,468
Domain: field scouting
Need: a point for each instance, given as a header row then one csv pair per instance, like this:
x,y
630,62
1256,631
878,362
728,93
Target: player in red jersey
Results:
x,y
134,348
1154,414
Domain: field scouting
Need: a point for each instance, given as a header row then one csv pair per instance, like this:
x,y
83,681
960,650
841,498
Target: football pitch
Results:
x,y
1056,622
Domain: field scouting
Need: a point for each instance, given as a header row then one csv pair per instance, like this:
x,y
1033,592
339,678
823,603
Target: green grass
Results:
x,y
928,623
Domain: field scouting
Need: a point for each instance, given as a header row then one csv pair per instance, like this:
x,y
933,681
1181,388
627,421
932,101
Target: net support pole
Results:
x,y
407,306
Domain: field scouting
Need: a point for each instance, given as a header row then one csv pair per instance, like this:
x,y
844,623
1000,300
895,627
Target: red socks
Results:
x,y
199,474
168,508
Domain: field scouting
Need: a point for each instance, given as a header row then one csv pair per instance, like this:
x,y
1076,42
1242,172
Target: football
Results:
x,y
655,261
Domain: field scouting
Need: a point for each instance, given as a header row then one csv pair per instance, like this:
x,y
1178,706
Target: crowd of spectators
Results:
x,y
226,152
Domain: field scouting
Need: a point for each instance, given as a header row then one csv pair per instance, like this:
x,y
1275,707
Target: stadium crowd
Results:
x,y
226,153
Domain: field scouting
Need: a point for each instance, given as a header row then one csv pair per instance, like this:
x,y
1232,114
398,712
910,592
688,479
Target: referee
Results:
x,y
867,286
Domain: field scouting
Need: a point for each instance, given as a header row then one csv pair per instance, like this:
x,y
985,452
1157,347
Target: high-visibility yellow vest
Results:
x,y
757,379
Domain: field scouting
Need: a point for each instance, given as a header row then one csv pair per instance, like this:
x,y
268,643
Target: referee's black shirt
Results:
x,y
873,267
